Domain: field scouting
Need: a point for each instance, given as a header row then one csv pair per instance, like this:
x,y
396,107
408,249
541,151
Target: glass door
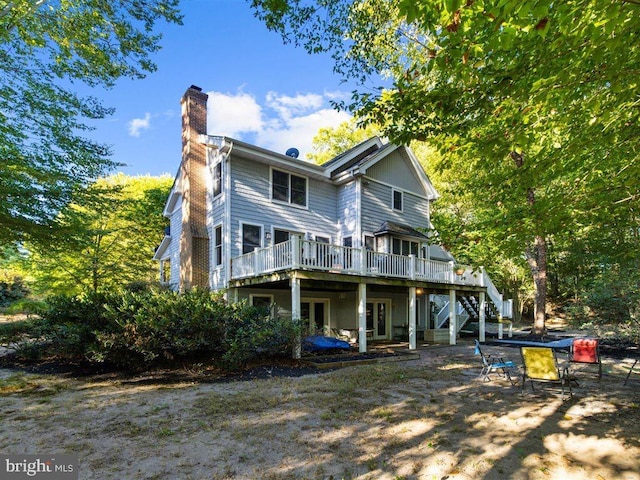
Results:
x,y
378,319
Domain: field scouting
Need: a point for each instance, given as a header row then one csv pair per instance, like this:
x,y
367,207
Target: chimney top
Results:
x,y
196,88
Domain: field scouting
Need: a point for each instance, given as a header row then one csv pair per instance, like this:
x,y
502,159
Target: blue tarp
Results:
x,y
316,343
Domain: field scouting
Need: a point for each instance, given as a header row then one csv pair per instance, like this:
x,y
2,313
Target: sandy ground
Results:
x,y
430,418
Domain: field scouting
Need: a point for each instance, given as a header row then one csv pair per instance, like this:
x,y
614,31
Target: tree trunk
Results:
x,y
537,260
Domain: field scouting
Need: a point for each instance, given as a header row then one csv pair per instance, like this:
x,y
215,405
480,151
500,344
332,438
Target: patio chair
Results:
x,y
586,351
489,365
541,365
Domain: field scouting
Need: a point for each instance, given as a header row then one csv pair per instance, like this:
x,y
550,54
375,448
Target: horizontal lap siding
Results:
x,y
376,208
397,171
251,203
347,213
376,197
175,225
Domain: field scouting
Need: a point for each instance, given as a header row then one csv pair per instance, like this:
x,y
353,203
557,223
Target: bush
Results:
x,y
141,326
12,288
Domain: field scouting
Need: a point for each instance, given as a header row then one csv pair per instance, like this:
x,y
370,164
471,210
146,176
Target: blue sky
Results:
x,y
260,90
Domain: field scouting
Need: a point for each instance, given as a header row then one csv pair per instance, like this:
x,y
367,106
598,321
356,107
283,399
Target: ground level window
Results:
x,y
261,300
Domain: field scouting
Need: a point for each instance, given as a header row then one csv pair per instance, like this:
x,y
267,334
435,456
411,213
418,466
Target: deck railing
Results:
x,y
297,253
311,255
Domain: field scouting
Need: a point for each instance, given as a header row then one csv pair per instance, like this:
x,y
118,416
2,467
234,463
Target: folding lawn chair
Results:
x,y
541,365
586,351
489,366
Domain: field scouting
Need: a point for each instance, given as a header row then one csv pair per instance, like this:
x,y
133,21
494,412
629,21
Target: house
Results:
x,y
343,245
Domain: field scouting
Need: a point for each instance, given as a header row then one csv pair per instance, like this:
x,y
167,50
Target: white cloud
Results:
x,y
278,123
299,131
233,115
138,124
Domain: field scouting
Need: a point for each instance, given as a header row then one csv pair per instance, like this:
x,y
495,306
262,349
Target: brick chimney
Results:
x,y
194,239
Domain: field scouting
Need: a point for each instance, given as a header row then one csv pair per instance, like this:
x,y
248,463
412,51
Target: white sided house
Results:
x,y
341,245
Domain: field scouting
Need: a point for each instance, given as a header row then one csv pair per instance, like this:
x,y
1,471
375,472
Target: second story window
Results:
x,y
288,188
217,179
218,246
397,200
251,237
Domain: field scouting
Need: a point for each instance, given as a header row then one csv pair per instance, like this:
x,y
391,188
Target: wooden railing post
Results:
x,y
295,251
256,262
412,266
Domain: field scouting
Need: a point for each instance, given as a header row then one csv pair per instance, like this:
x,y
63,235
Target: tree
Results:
x,y
533,104
47,48
105,243
452,215
330,142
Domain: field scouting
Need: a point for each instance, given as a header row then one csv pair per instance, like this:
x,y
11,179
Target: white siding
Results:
x,y
376,208
251,203
398,171
347,213
175,223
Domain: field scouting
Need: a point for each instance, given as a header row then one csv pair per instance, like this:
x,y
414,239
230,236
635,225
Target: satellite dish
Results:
x,y
292,152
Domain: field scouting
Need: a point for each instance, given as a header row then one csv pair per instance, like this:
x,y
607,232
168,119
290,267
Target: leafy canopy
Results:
x,y
46,50
105,241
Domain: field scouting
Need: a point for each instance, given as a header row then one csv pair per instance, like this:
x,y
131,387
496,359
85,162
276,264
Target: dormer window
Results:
x,y
397,200
288,188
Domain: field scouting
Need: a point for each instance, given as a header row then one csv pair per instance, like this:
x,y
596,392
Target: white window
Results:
x,y
217,179
397,200
165,271
264,301
217,245
251,237
404,247
288,188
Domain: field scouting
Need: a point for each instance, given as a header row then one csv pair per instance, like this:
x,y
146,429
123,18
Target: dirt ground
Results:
x,y
428,418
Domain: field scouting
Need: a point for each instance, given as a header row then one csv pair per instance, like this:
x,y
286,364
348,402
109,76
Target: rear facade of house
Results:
x,y
344,245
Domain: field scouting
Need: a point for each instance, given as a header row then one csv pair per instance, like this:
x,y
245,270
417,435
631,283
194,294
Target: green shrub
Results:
x,y
251,333
137,327
12,288
16,331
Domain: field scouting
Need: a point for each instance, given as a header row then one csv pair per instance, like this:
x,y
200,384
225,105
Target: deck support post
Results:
x,y
412,318
295,313
482,316
453,320
362,317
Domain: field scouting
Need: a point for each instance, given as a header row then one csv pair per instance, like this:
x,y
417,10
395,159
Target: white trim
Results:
x,y
261,295
388,317
173,202
162,248
215,265
241,235
357,150
288,203
405,192
326,321
393,199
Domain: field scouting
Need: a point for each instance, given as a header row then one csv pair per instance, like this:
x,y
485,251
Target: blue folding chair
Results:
x,y
489,366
